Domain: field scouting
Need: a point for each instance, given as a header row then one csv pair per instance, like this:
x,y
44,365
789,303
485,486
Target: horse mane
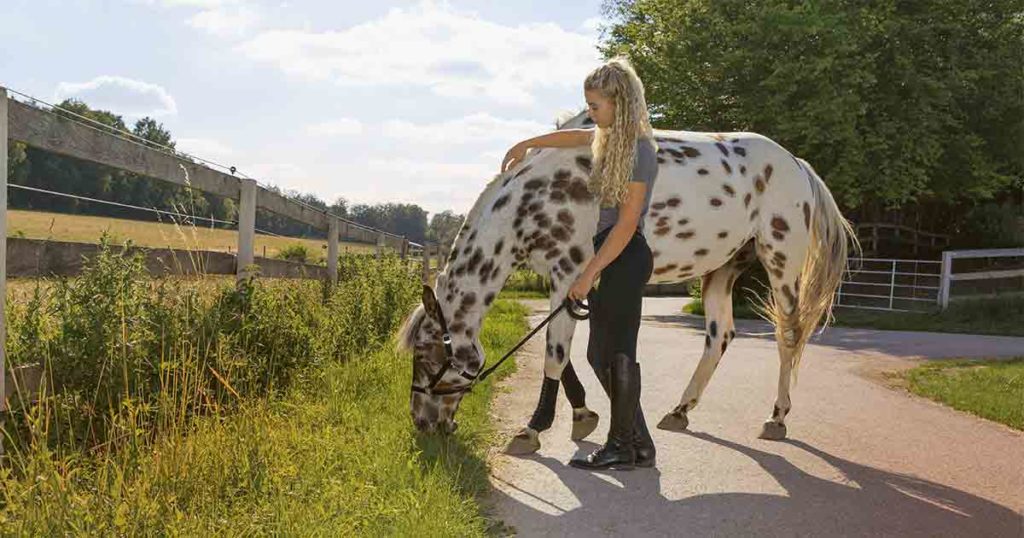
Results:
x,y
409,328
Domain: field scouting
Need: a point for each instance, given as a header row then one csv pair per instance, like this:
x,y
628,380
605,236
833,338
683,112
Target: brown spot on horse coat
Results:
x,y
665,269
565,217
758,184
673,202
716,202
662,231
807,215
535,183
584,163
658,205
746,200
500,203
578,191
728,189
685,234
721,147
768,172
780,223
723,234
690,152
700,252
789,295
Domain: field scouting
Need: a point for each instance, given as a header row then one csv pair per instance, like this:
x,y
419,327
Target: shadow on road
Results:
x,y
873,503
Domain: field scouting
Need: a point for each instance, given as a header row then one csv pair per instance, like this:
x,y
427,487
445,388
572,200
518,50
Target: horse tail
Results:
x,y
824,264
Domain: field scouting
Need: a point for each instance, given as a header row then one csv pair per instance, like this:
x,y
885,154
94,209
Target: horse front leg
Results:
x,y
556,367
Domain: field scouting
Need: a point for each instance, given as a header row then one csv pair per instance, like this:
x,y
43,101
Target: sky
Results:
x,y
405,102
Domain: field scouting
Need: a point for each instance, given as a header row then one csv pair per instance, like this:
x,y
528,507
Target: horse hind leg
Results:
x,y
784,310
716,293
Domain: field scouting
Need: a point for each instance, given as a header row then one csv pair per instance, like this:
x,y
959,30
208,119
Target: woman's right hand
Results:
x,y
513,157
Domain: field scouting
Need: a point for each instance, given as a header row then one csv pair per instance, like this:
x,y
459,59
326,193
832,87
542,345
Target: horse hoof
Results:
x,y
525,442
773,431
674,422
584,426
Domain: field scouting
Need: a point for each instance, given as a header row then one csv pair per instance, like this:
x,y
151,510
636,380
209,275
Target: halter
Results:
x,y
569,305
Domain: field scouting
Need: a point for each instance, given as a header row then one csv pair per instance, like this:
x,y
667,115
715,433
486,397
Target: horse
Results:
x,y
720,202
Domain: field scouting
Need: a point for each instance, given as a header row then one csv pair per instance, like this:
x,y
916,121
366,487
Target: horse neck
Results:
x,y
476,273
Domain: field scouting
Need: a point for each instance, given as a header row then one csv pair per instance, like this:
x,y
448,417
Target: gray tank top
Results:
x,y
645,169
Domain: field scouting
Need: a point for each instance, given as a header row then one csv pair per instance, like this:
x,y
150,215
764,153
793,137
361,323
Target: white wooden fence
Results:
x,y
949,276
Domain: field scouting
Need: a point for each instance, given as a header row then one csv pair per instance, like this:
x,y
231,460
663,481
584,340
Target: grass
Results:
x,y
1003,315
993,389
336,455
85,229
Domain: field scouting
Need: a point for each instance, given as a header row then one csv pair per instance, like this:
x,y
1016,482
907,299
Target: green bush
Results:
x,y
295,253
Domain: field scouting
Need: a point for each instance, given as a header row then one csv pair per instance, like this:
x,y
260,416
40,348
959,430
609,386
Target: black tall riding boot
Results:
x,y
618,451
643,444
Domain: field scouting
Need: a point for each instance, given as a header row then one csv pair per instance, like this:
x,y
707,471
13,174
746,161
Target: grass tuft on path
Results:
x,y
993,389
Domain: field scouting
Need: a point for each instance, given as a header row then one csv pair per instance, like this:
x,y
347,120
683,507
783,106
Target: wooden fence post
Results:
x,y
426,264
246,227
380,244
947,270
332,249
3,253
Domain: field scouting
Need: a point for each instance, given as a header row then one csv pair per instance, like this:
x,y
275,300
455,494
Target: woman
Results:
x,y
622,177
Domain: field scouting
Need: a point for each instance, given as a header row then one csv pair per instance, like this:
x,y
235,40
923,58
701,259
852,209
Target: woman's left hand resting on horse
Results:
x,y
618,237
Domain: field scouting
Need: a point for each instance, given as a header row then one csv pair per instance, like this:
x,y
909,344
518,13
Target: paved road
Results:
x,y
863,459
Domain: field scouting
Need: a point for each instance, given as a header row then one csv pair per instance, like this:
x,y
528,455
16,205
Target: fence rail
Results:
x,y
907,288
949,276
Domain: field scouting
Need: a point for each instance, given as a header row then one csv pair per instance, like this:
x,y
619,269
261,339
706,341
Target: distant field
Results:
x,y
87,229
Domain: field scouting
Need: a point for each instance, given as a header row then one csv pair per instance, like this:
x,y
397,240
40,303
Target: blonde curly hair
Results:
x,y
614,148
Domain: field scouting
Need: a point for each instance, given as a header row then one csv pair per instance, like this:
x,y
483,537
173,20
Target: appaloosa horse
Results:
x,y
721,201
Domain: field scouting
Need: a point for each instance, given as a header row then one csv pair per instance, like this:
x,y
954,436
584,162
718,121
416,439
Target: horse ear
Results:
x,y
430,303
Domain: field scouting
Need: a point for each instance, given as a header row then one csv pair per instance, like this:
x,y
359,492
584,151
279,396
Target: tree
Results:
x,y
897,104
444,226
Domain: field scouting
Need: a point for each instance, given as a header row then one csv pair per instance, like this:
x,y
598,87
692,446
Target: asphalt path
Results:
x,y
863,458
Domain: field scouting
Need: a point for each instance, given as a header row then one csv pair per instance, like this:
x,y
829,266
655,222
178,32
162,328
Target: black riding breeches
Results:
x,y
616,302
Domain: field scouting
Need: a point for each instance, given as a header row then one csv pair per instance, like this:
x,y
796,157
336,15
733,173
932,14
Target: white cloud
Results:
x,y
433,46
338,127
206,148
121,95
285,174
222,18
480,127
229,21
592,25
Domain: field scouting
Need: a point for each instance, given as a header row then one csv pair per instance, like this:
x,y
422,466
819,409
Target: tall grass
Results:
x,y
126,353
273,407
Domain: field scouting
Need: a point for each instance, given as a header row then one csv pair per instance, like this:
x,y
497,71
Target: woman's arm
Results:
x,y
621,232
565,138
